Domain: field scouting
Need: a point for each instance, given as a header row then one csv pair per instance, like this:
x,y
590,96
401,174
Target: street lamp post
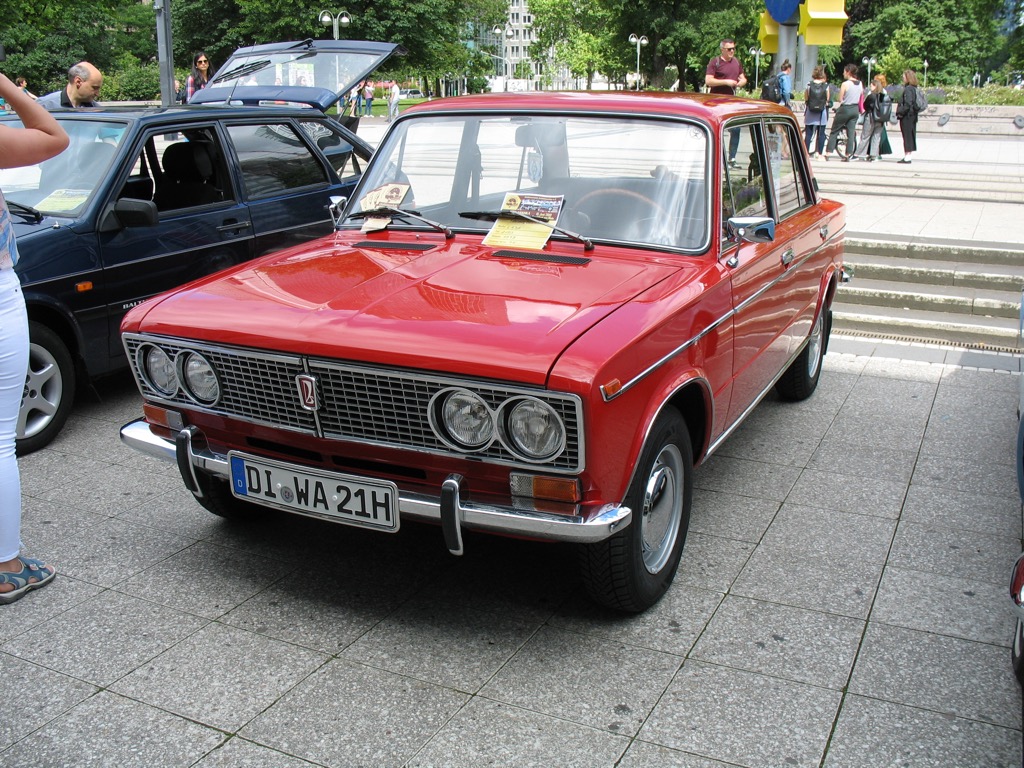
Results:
x,y
757,53
638,41
339,19
507,33
926,74
869,62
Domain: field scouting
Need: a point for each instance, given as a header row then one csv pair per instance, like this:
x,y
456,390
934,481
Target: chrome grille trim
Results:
x,y
359,403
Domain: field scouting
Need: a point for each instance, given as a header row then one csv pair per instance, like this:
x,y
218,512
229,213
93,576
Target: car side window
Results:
x,y
180,170
783,151
743,178
273,159
342,155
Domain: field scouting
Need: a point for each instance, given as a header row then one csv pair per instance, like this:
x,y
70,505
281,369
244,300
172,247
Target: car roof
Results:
x,y
711,108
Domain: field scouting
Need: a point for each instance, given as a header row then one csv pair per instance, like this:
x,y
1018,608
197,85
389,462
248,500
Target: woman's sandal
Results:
x,y
31,569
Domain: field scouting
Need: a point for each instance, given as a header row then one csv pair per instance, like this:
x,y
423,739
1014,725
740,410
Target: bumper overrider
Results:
x,y
448,507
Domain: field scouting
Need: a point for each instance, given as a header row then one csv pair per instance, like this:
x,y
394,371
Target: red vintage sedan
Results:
x,y
536,315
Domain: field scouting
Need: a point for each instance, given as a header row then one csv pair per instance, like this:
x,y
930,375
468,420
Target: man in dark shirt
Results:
x,y
724,75
84,83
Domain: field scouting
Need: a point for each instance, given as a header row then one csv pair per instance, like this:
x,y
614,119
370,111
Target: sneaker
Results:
x,y
733,163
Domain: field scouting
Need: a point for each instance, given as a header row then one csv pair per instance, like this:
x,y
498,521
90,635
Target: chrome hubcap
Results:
x,y
662,508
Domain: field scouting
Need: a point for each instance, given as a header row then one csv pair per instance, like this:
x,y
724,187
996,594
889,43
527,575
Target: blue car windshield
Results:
x,y
64,185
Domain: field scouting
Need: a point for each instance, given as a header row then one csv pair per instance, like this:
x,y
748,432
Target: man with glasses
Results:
x,y
84,83
724,75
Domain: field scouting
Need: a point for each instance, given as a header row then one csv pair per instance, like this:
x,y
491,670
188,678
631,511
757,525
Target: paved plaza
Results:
x,y
842,603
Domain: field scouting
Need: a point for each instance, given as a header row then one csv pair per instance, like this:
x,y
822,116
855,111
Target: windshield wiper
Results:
x,y
588,245
249,68
387,210
25,210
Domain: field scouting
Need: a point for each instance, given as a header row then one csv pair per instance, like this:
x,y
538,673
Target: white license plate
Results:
x,y
343,498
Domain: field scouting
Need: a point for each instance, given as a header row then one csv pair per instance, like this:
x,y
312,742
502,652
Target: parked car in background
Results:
x,y
536,315
145,199
1017,574
412,93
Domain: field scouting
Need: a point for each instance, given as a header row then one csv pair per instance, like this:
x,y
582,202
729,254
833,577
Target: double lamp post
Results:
x,y
638,41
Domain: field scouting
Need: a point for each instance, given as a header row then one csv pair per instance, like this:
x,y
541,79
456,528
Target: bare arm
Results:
x,y
40,139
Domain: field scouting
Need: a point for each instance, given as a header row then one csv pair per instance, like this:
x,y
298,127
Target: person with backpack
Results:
x,y
785,83
817,101
907,111
877,110
845,118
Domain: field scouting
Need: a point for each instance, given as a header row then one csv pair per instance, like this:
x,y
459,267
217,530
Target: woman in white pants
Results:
x,y
39,139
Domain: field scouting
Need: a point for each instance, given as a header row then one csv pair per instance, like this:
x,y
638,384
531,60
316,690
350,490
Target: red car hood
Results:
x,y
416,303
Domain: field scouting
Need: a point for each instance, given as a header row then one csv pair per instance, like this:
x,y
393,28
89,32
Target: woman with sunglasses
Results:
x,y
200,76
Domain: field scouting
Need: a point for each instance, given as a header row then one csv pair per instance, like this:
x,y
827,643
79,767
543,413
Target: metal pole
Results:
x,y
165,51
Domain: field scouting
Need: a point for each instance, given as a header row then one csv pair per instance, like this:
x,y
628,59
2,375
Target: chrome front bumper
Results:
x,y
448,508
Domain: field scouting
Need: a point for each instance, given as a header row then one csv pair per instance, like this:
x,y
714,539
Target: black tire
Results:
x,y
801,378
49,394
633,569
217,498
1017,651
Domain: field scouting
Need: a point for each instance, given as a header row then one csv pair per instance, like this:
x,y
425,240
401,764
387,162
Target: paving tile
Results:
x,y
777,433
592,681
973,379
112,489
378,719
979,512
41,605
957,607
968,475
949,552
176,512
206,580
872,460
824,533
711,562
111,552
672,625
104,638
756,479
843,587
781,641
897,368
108,730
644,755
50,694
239,753
43,471
442,642
981,424
834,490
247,671
944,674
743,718
731,516
491,733
872,733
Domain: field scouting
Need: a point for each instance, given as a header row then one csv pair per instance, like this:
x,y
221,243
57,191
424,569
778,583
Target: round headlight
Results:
x,y
200,379
465,419
534,430
159,370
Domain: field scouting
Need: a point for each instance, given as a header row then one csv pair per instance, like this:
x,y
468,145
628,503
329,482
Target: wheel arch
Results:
x,y
58,321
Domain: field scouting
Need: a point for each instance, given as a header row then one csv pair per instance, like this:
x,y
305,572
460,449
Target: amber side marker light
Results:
x,y
565,489
84,287
612,388
162,417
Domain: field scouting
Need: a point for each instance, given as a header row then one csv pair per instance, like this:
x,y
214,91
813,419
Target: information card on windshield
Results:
x,y
513,233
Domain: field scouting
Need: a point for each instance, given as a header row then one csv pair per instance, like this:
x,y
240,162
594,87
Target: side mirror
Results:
x,y
336,207
751,229
129,212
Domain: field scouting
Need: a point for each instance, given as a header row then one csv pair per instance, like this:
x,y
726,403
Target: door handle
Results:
x,y
787,257
233,226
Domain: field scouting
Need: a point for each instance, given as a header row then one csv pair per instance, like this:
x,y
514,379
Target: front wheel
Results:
x,y
801,378
631,570
218,499
49,392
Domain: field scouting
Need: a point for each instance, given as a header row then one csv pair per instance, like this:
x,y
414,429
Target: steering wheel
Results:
x,y
617,192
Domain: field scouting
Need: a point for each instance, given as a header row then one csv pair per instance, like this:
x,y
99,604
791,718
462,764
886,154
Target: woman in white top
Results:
x,y
40,138
846,116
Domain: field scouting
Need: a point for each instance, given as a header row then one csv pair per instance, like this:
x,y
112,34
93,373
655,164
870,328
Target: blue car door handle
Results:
x,y
233,226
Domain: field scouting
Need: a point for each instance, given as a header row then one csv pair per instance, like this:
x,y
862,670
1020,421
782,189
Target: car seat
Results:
x,y
187,178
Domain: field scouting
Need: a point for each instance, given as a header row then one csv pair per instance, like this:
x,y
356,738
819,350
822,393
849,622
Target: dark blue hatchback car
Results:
x,y
146,199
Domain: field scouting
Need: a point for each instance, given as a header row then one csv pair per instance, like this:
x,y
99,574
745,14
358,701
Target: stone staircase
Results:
x,y
949,294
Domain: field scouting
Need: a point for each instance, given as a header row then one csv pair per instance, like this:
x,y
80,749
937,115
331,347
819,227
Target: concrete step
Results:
x,y
975,253
926,325
993,277
961,300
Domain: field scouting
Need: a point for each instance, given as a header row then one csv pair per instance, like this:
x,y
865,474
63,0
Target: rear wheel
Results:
x,y
801,378
632,570
49,392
